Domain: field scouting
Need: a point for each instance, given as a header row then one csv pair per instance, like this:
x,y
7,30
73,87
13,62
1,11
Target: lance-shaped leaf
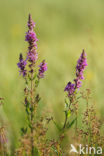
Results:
x,y
70,124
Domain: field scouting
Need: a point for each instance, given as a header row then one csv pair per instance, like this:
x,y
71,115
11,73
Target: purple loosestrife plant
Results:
x,y
71,88
71,101
32,73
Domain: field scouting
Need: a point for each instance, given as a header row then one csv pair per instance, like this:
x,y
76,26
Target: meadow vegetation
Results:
x,y
63,28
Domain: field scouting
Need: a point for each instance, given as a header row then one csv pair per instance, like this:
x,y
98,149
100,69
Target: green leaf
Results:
x,y
26,102
29,124
29,77
31,109
58,127
26,82
66,103
55,150
69,125
23,131
34,76
37,98
68,113
27,110
36,83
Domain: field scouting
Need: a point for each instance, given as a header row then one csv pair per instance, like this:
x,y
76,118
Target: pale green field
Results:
x,y
64,28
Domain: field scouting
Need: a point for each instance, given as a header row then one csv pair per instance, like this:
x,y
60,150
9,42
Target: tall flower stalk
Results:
x,y
72,88
32,73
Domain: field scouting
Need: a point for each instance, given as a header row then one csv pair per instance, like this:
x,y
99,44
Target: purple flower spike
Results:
x,y
42,69
31,35
31,38
22,65
81,64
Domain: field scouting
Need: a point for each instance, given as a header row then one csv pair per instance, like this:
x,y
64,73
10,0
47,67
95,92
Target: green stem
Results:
x,y
32,117
66,117
65,121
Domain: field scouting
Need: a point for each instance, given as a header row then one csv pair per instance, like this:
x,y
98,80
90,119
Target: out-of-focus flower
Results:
x,y
22,64
3,138
42,69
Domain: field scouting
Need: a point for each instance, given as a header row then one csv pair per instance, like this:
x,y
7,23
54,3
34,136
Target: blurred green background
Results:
x,y
64,28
